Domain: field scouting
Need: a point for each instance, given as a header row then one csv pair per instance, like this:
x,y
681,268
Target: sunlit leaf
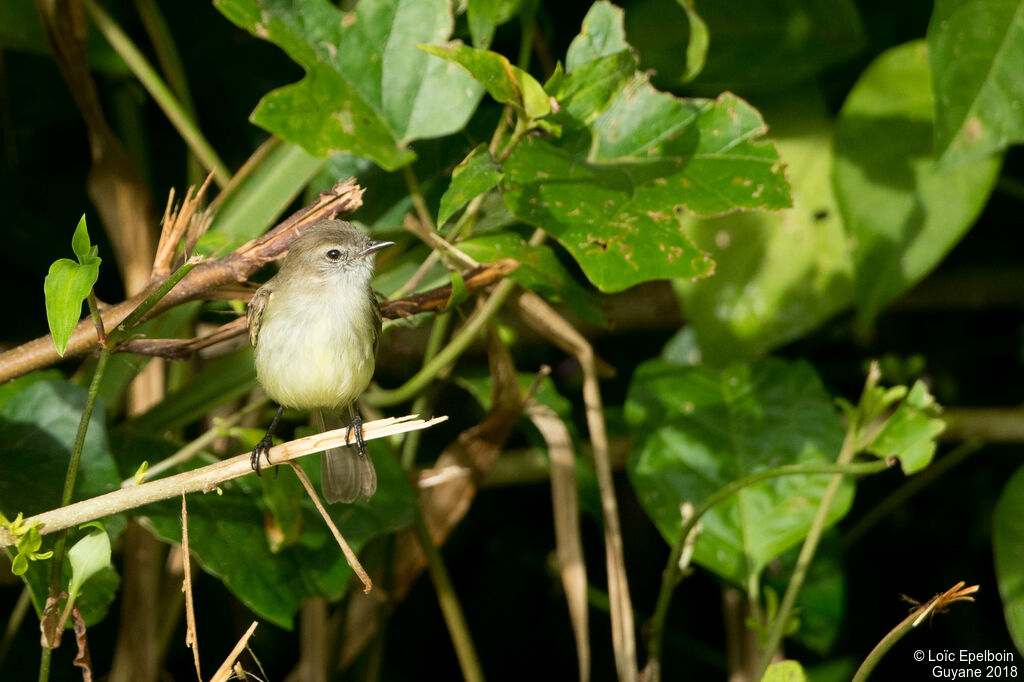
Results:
x,y
88,556
367,90
66,287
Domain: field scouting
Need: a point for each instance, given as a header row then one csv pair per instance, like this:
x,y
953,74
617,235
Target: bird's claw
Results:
x,y
356,425
262,449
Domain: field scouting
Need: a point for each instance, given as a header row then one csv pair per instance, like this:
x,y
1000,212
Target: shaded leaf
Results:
x,y
778,275
476,174
754,46
367,90
539,270
976,52
224,527
696,429
903,212
1008,546
483,16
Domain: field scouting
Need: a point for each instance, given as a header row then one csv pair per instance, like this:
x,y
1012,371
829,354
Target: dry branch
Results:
x,y
209,477
237,266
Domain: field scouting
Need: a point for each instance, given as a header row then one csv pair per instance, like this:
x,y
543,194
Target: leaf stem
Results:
x,y
459,343
411,444
672,573
807,551
165,99
136,315
416,194
454,618
70,477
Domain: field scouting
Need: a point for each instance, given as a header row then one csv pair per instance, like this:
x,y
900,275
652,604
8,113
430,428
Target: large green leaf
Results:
x,y
539,270
37,429
226,535
630,159
367,90
696,429
778,275
903,211
1008,545
976,50
754,46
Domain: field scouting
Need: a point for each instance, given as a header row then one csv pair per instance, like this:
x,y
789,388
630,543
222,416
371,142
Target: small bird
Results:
x,y
315,328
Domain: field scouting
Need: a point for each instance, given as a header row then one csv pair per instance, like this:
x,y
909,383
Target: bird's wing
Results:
x,y
254,311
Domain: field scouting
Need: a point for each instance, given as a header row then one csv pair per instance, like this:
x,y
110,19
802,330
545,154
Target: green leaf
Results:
x,y
763,46
252,206
778,275
602,34
504,81
458,290
476,174
227,538
976,52
37,430
697,45
785,671
66,286
483,16
910,433
1008,546
696,429
612,193
903,212
81,245
367,90
88,556
539,270
19,565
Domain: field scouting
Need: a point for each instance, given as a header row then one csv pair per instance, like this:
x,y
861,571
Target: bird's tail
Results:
x,y
346,473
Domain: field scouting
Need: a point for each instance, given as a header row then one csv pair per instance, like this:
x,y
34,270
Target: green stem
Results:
x,y
411,444
454,618
459,343
70,477
883,647
14,621
807,551
670,576
151,80
135,316
418,202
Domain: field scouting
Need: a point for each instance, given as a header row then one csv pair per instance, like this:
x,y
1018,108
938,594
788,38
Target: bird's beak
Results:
x,y
374,247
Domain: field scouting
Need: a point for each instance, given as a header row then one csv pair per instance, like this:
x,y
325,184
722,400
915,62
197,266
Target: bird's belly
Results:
x,y
326,361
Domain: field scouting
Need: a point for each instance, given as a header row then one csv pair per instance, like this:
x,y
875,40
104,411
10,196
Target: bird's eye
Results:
x,y
334,254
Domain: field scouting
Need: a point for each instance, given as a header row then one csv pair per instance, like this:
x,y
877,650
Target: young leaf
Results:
x,y
88,557
504,81
909,433
785,671
80,243
476,174
903,211
697,429
976,51
68,284
1008,545
368,90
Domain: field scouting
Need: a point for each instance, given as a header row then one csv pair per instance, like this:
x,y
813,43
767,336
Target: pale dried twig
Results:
x,y
209,477
350,556
224,672
191,634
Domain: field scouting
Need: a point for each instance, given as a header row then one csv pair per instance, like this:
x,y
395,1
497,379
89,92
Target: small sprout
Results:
x,y
140,473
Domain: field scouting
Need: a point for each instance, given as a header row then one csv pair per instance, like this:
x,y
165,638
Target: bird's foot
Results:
x,y
356,425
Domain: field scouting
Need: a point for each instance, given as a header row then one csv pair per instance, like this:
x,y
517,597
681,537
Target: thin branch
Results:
x,y
350,556
343,199
191,634
224,672
209,477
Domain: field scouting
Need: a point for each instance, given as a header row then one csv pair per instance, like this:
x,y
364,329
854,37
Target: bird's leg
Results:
x,y
263,447
355,425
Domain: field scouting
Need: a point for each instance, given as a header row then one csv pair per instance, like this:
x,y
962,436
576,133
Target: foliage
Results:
x,y
762,185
